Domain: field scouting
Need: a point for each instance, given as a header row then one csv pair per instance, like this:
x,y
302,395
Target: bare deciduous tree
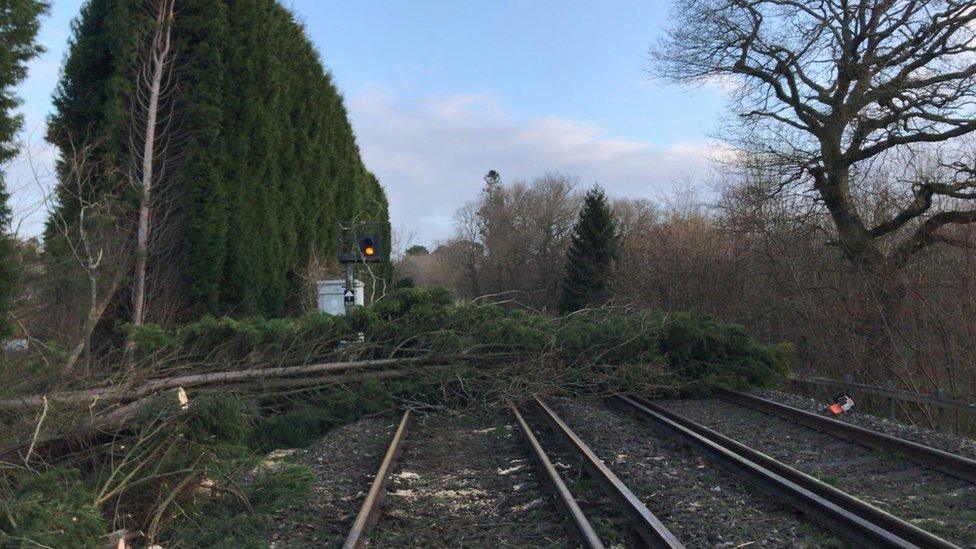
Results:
x,y
523,230
827,88
94,243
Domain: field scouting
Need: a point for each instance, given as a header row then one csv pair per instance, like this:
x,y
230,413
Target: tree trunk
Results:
x,y
308,373
159,64
95,311
883,292
881,287
853,237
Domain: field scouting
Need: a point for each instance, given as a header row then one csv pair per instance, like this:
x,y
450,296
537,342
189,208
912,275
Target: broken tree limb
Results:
x,y
62,443
108,423
272,385
150,387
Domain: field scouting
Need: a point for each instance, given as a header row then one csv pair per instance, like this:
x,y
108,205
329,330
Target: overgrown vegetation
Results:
x,y
184,478
53,508
175,474
590,350
769,263
511,350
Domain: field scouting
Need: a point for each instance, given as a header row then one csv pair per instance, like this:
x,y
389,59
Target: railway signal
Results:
x,y
359,243
368,248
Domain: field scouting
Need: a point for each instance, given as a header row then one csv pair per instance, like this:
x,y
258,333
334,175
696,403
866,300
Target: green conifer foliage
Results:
x,y
267,162
19,23
8,264
591,255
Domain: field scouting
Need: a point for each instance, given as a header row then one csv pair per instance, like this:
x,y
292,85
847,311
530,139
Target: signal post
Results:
x,y
358,243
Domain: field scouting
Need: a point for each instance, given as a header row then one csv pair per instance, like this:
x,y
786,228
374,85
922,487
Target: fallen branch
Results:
x,y
37,433
103,426
326,381
148,388
106,425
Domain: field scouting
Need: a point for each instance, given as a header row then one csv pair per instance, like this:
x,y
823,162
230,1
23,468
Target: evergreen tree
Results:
x,y
491,204
8,263
591,255
267,162
19,23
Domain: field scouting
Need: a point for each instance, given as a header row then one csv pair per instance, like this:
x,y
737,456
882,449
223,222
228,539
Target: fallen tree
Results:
x,y
115,418
259,384
217,379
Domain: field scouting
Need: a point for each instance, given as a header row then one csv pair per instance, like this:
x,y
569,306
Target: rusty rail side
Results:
x,y
648,526
584,529
952,464
369,511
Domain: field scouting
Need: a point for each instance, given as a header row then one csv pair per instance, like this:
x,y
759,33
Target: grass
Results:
x,y
610,532
583,484
944,516
815,534
830,479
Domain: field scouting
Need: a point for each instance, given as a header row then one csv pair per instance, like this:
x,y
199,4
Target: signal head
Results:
x,y
369,249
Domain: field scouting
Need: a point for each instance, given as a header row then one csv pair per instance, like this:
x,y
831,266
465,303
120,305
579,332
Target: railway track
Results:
x,y
952,464
650,529
369,511
927,493
835,510
830,508
644,523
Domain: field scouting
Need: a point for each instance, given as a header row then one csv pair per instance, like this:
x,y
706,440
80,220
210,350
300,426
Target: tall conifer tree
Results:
x,y
19,23
266,162
591,255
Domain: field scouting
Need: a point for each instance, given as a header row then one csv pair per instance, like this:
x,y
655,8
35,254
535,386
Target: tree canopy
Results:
x,y
826,91
262,164
591,255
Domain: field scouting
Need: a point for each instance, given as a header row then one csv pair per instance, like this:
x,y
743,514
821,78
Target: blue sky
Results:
x,y
439,92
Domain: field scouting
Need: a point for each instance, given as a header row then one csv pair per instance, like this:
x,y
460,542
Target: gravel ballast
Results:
x,y
955,444
344,462
467,482
937,502
702,504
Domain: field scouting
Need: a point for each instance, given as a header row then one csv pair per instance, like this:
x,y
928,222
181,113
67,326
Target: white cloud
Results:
x,y
431,154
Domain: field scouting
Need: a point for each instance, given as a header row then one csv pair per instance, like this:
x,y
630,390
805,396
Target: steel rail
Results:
x,y
648,526
811,497
368,512
952,464
587,534
903,529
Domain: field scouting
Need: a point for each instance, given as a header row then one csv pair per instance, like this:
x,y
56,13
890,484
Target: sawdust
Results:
x,y
466,482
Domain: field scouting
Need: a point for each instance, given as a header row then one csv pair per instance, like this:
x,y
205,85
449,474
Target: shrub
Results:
x,y
315,415
706,352
220,418
50,509
150,337
272,491
227,521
